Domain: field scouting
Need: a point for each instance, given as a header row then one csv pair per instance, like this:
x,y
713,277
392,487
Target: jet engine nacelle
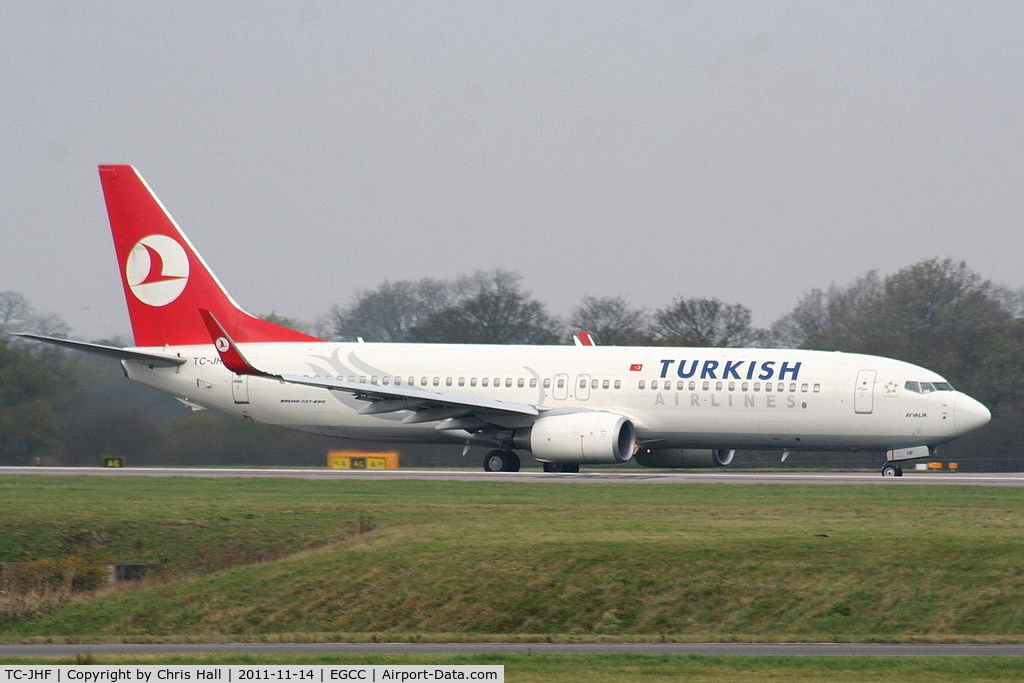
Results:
x,y
580,438
684,457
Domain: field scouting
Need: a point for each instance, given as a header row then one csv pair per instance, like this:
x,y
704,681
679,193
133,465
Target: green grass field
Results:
x,y
615,668
283,559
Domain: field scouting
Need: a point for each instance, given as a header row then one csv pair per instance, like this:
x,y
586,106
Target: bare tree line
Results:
x,y
936,313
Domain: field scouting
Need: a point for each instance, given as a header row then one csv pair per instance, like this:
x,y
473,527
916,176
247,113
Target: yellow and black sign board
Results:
x,y
113,462
361,460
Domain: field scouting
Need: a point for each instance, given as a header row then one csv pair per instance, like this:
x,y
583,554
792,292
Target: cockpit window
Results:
x,y
927,387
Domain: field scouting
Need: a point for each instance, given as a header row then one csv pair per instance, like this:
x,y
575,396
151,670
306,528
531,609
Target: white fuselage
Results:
x,y
675,397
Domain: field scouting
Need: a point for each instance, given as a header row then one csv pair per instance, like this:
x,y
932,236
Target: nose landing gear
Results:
x,y
891,470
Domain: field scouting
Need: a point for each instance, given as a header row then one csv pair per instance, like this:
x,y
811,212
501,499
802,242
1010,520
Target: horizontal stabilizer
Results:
x,y
151,359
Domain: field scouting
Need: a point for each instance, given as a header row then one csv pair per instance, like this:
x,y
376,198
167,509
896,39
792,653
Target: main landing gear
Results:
x,y
561,467
508,461
891,470
501,461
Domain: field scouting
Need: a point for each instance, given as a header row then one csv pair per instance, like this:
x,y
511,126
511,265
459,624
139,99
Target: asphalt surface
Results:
x,y
764,649
717,476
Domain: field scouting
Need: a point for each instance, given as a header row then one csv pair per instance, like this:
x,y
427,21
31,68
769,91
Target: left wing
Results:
x,y
425,406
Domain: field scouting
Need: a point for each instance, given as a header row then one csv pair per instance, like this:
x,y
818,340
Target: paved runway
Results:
x,y
763,649
596,476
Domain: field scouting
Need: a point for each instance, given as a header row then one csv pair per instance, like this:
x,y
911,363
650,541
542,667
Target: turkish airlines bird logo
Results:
x,y
157,270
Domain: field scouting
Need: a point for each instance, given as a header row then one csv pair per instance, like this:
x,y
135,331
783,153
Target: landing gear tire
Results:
x,y
501,461
890,470
561,467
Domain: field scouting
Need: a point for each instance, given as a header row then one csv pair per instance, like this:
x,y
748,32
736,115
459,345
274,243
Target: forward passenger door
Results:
x,y
864,392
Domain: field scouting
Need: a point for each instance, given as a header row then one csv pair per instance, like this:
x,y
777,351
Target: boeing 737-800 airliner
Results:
x,y
565,405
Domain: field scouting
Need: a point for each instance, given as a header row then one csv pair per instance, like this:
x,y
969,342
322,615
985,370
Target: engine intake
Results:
x,y
594,437
686,458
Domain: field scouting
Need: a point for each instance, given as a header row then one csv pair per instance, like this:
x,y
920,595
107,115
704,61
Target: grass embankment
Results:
x,y
296,559
595,668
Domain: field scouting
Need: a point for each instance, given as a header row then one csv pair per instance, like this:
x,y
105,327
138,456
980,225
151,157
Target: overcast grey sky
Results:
x,y
748,151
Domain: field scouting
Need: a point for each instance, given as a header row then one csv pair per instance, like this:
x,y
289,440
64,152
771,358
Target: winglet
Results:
x,y
227,349
582,338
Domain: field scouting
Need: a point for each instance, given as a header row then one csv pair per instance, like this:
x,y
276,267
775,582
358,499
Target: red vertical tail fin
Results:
x,y
166,282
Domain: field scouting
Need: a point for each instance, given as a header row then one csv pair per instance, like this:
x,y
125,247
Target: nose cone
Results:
x,y
970,414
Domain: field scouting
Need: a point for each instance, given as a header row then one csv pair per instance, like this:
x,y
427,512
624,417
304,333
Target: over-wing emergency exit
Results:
x,y
565,405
